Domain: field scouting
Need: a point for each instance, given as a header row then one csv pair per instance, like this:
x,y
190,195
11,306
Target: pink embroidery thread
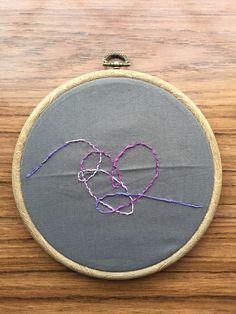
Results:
x,y
115,176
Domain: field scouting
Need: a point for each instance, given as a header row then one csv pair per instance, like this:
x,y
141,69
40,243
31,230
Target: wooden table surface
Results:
x,y
191,44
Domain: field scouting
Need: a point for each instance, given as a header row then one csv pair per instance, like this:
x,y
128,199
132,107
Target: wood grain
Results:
x,y
191,44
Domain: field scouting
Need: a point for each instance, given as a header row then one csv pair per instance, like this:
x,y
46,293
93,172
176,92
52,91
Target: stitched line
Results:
x,y
114,175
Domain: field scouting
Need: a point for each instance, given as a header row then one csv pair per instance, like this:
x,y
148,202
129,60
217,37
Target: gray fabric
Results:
x,y
111,113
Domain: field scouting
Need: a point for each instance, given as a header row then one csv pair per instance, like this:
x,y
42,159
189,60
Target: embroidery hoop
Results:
x,y
43,105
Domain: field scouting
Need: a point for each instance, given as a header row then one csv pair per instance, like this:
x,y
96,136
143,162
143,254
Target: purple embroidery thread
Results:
x,y
114,175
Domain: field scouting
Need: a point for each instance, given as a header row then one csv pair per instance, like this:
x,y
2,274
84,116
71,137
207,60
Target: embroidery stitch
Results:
x,y
115,177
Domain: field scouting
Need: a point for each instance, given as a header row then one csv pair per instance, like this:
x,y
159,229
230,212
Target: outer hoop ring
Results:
x,y
43,105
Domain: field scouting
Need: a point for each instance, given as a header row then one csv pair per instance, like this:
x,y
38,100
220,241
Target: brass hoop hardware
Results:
x,y
116,60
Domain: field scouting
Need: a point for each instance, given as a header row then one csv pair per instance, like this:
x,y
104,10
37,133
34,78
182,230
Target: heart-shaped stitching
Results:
x,y
116,179
115,176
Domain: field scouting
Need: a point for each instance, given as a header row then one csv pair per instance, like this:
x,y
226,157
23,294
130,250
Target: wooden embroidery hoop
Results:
x,y
43,105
